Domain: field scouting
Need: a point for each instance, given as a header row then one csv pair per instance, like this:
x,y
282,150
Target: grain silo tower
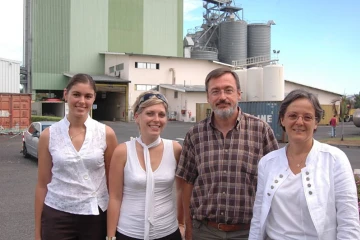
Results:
x,y
273,83
259,40
254,85
233,37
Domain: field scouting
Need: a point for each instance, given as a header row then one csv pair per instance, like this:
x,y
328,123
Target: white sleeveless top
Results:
x,y
131,220
78,183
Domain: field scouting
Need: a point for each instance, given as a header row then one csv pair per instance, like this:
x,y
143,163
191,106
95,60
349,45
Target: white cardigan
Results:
x,y
328,186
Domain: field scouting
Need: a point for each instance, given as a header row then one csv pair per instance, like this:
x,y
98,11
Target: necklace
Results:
x,y
71,137
292,158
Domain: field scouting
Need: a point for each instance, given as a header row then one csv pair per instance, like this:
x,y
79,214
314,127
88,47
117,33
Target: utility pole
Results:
x,y
28,44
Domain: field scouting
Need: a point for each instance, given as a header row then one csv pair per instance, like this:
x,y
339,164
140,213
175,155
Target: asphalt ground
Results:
x,y
18,175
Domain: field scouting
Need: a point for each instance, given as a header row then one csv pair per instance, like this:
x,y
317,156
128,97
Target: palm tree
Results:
x,y
343,111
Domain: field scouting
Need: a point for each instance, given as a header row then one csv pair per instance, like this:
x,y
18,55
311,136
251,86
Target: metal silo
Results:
x,y
254,85
258,40
204,54
242,74
233,41
273,83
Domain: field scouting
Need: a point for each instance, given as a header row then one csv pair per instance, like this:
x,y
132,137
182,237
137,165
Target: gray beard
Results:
x,y
224,114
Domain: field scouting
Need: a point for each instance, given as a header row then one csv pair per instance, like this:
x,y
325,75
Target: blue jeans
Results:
x,y
333,131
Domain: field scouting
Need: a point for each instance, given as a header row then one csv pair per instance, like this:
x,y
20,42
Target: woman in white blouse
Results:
x,y
142,176
74,156
306,190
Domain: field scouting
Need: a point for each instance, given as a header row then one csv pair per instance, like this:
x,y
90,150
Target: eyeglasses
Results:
x,y
305,118
148,96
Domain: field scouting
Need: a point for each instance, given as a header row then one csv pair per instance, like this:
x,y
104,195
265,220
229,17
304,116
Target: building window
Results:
x,y
120,67
176,93
111,69
145,87
147,65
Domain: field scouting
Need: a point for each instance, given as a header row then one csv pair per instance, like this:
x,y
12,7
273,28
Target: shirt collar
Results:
x,y
87,123
237,125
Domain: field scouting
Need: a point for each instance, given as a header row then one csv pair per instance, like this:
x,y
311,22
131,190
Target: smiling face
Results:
x,y
151,120
299,121
223,95
80,98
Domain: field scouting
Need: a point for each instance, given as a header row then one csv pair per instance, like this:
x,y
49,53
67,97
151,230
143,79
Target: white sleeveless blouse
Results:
x,y
132,213
78,183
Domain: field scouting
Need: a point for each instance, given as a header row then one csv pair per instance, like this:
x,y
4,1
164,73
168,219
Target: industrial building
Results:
x,y
137,45
68,36
9,76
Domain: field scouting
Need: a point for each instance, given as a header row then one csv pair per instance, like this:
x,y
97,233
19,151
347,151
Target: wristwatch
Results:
x,y
110,238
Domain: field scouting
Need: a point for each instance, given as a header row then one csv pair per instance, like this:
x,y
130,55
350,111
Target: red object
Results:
x,y
15,110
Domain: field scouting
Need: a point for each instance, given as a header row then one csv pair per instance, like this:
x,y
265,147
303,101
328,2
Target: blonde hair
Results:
x,y
147,99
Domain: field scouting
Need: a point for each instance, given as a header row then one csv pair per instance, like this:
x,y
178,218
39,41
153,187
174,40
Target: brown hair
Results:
x,y
218,73
81,78
299,94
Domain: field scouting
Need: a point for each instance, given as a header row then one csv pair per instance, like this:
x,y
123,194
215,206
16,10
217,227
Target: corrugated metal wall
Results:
x,y
88,36
51,43
9,76
161,27
67,37
267,111
15,112
146,27
126,26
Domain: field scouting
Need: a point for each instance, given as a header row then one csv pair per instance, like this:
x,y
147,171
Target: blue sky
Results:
x,y
319,40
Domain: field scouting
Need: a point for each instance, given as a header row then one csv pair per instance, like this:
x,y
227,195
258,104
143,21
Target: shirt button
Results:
x,y
307,173
222,213
309,185
223,192
281,176
307,179
86,177
226,150
268,194
225,171
272,187
310,192
276,181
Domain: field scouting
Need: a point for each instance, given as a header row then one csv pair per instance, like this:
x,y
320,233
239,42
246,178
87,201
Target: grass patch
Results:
x,y
349,141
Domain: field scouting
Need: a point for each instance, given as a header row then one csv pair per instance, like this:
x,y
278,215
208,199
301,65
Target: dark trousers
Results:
x,y
58,225
174,236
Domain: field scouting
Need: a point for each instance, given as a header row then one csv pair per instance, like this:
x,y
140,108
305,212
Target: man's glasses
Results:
x,y
148,96
305,118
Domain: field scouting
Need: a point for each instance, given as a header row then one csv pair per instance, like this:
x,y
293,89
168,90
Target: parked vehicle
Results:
x,y
31,137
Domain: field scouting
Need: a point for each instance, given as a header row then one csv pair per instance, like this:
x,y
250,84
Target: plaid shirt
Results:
x,y
224,170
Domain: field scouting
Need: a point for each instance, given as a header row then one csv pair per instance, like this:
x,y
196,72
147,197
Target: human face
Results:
x,y
80,98
223,95
299,121
152,120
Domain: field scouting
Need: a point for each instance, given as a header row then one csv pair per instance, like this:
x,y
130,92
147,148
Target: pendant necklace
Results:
x,y
291,156
71,137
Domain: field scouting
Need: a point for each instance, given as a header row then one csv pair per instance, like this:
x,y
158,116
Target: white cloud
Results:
x,y
190,10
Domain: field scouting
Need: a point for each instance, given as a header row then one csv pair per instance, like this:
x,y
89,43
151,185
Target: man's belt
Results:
x,y
228,227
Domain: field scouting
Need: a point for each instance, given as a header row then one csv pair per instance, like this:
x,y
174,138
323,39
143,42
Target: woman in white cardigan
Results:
x,y
306,190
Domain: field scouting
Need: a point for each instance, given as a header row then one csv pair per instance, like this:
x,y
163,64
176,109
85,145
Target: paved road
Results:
x,y
18,175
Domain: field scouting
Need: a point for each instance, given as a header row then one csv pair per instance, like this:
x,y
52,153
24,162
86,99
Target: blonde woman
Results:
x,y
142,177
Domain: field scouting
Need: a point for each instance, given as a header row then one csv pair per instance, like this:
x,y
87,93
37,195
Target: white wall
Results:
x,y
9,76
323,96
190,71
185,101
